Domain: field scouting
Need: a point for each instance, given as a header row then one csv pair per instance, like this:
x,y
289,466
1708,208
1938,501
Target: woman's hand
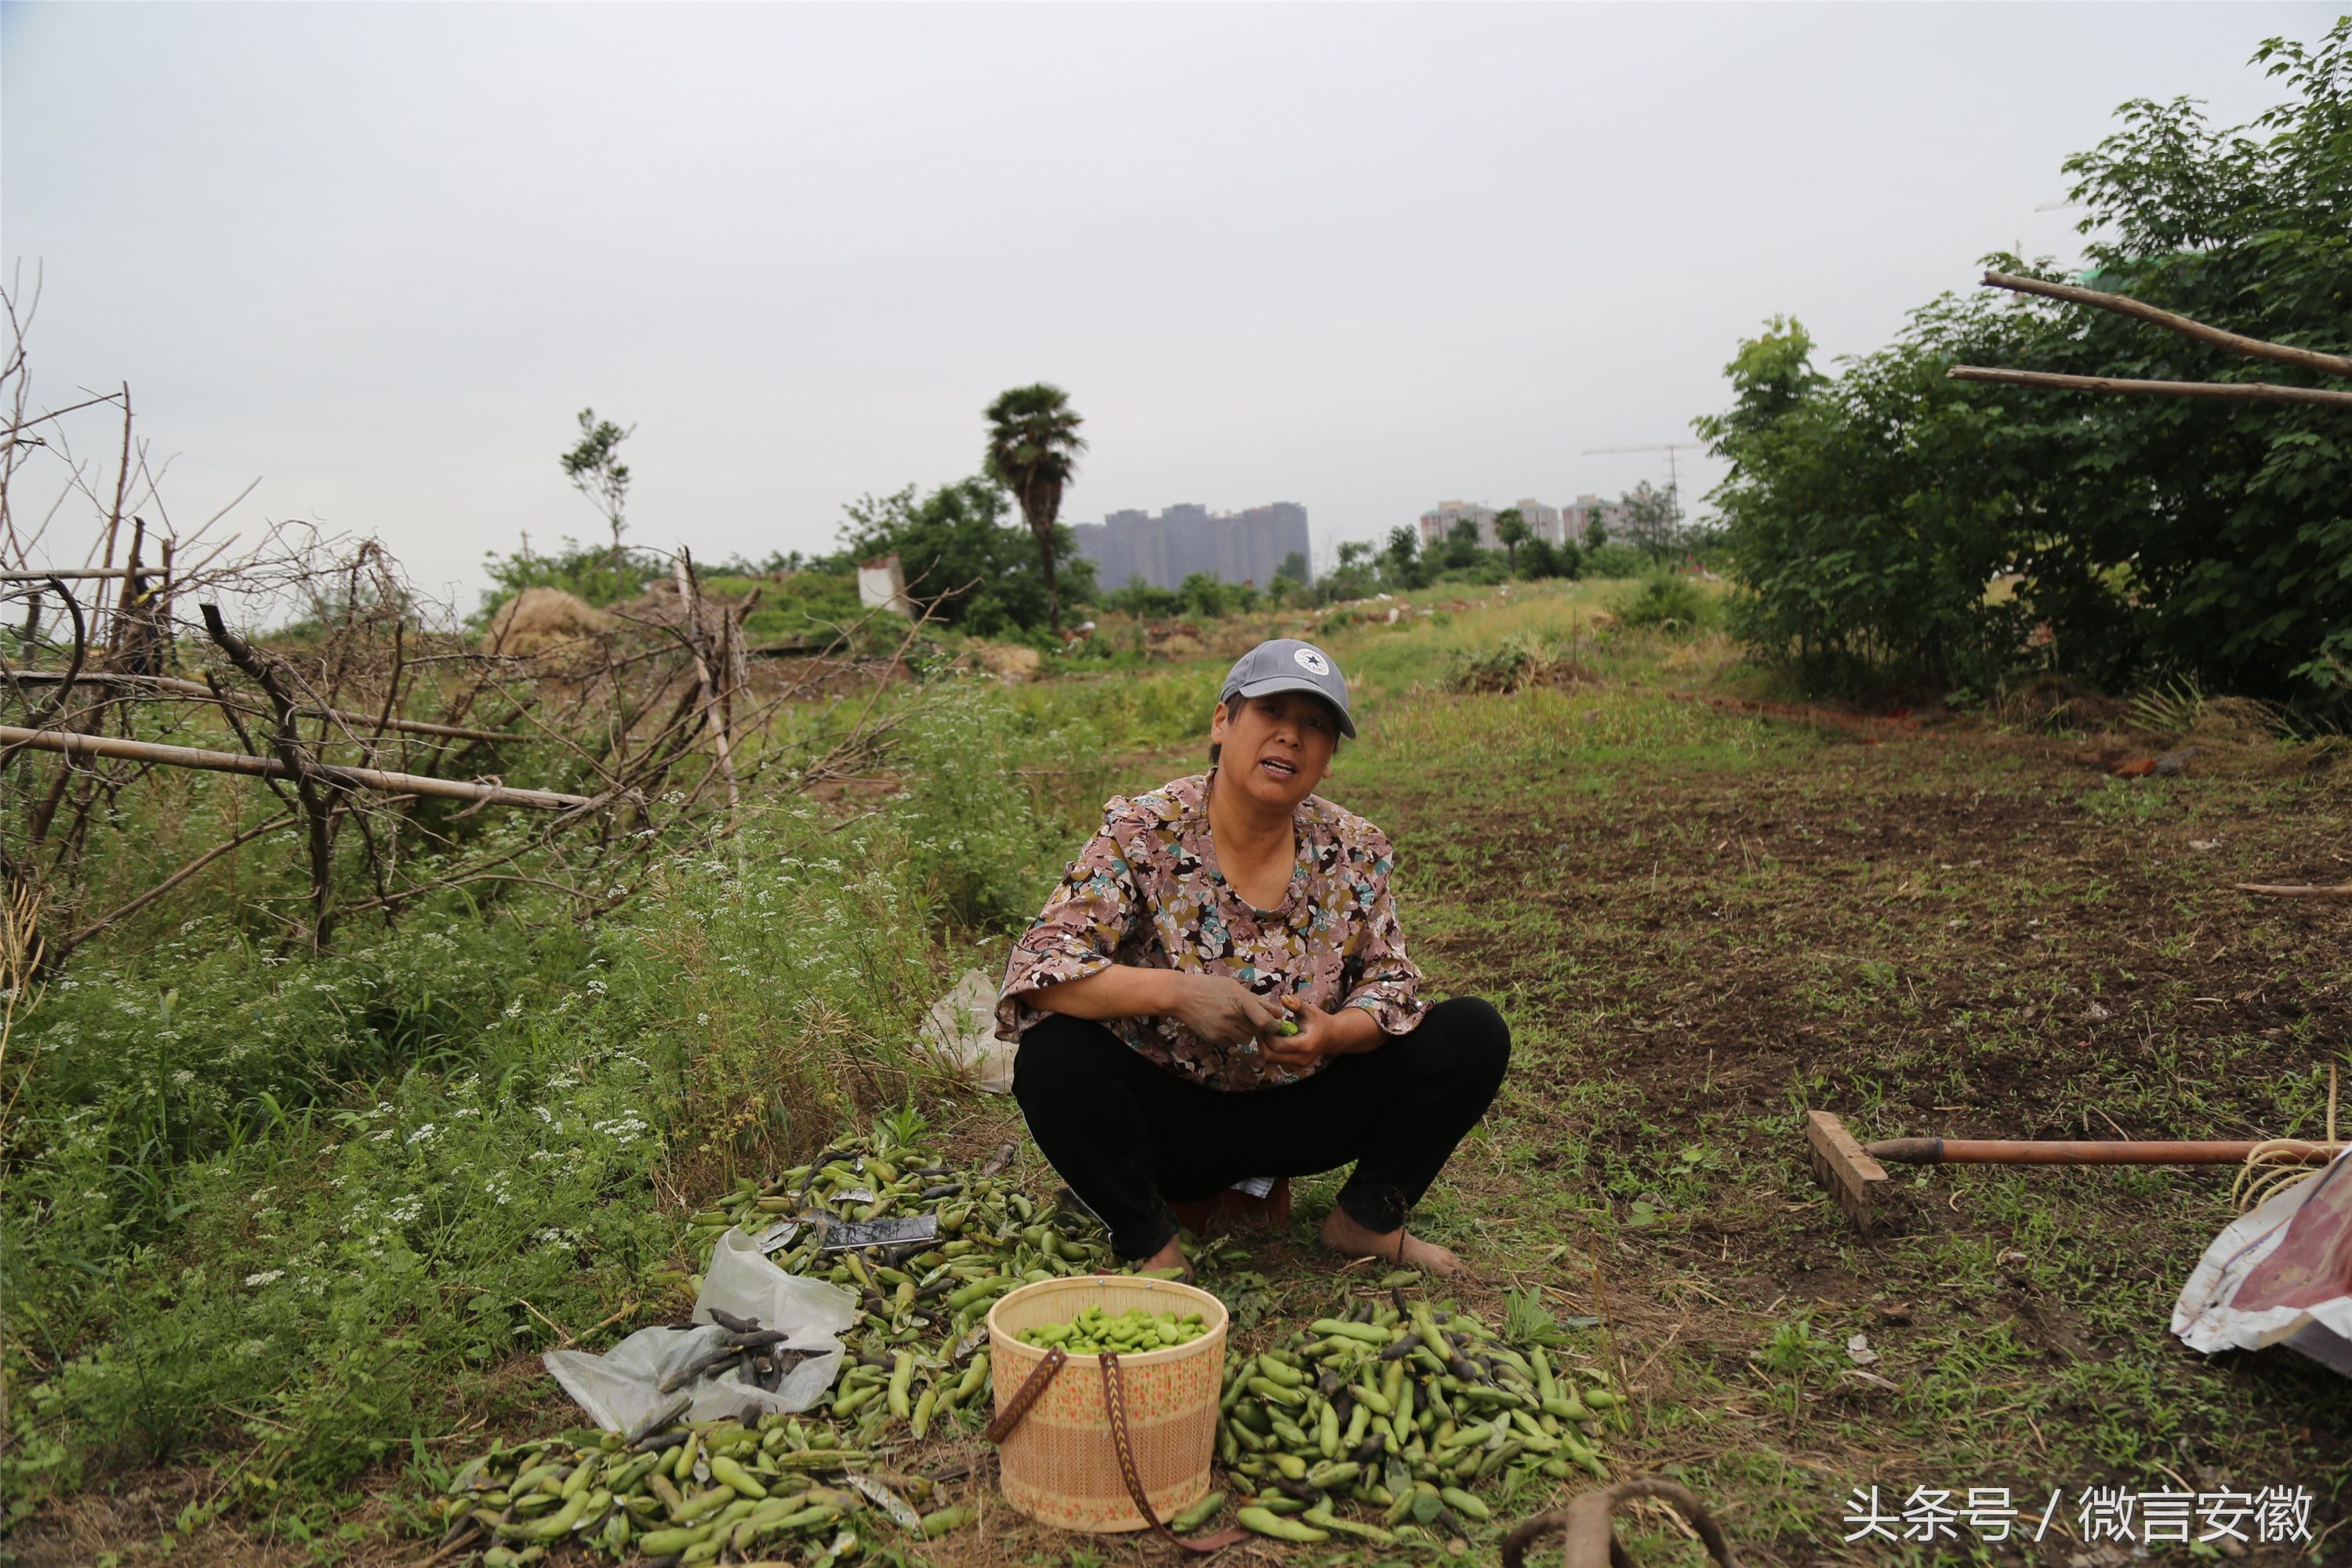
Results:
x,y
1320,1034
1222,1010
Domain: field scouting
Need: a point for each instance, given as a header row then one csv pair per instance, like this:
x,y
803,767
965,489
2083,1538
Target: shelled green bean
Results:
x,y
1094,1330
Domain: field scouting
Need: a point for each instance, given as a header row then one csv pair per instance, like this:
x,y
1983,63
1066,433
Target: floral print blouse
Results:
x,y
1146,891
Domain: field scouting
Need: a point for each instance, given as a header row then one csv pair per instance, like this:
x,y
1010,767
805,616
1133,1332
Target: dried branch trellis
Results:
x,y
383,730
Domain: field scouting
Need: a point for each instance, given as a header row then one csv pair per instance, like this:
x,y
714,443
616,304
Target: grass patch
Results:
x,y
1698,924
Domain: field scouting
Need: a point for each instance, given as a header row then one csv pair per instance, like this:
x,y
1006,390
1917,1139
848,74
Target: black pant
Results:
x,y
1129,1135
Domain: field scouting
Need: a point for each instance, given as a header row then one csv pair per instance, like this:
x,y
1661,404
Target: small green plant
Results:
x,y
1668,602
1795,1355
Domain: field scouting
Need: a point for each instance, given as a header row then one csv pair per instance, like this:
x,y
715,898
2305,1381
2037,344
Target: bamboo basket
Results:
x,y
1058,1466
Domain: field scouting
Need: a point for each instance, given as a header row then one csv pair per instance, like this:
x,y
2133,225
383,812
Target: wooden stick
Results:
x,y
2235,391
2124,305
2093,1151
75,744
193,689
2298,889
689,601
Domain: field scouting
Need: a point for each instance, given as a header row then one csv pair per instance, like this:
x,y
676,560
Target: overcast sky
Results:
x,y
1363,259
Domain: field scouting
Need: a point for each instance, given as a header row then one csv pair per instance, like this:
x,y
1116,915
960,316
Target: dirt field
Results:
x,y
1927,936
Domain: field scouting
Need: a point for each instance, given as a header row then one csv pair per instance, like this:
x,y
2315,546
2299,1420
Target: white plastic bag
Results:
x,y
2279,1275
961,1031
621,1388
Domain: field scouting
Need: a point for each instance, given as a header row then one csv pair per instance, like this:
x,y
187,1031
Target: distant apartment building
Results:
x,y
1437,524
1546,523
1577,518
1233,547
1543,522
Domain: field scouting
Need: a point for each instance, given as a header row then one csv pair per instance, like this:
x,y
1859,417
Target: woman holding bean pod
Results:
x,y
1219,989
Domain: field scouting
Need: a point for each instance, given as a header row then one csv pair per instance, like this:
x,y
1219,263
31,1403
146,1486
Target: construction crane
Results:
x,y
1674,472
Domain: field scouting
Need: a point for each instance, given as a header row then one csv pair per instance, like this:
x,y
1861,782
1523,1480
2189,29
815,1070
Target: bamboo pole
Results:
x,y
194,689
75,744
2235,391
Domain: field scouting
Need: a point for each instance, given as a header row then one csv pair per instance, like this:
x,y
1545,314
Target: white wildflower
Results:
x,y
266,1277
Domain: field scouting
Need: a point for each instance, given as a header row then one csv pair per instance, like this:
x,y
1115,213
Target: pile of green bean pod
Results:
x,y
1404,1407
705,1491
917,1350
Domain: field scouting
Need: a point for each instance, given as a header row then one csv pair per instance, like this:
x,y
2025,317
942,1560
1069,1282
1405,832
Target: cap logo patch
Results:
x,y
1312,662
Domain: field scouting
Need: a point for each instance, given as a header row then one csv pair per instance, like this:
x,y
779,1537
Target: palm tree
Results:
x,y
1033,448
1511,528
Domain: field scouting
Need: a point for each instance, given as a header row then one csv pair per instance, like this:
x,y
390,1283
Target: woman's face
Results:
x,y
1277,747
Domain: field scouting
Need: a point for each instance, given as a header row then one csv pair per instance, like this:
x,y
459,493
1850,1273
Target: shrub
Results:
x,y
293,1211
1525,659
1614,559
1667,601
594,574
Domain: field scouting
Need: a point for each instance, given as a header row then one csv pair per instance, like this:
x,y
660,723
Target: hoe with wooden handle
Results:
x,y
1853,1172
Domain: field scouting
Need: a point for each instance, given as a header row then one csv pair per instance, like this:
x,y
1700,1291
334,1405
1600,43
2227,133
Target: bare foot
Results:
x,y
1168,1256
1342,1233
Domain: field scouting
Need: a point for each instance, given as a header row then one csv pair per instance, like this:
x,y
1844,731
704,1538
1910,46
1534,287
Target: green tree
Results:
x,y
1401,562
1542,558
1511,528
962,563
1206,598
1033,449
1293,568
1648,519
1865,511
1353,578
1596,530
1460,551
595,468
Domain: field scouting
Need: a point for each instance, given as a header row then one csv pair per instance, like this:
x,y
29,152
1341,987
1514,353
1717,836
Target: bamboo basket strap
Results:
x,y
1032,1388
1115,1407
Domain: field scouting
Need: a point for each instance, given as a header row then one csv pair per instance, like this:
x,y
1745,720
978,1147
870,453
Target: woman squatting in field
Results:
x,y
1219,990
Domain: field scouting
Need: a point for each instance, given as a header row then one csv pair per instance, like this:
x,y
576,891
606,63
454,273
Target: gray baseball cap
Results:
x,y
1285,663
